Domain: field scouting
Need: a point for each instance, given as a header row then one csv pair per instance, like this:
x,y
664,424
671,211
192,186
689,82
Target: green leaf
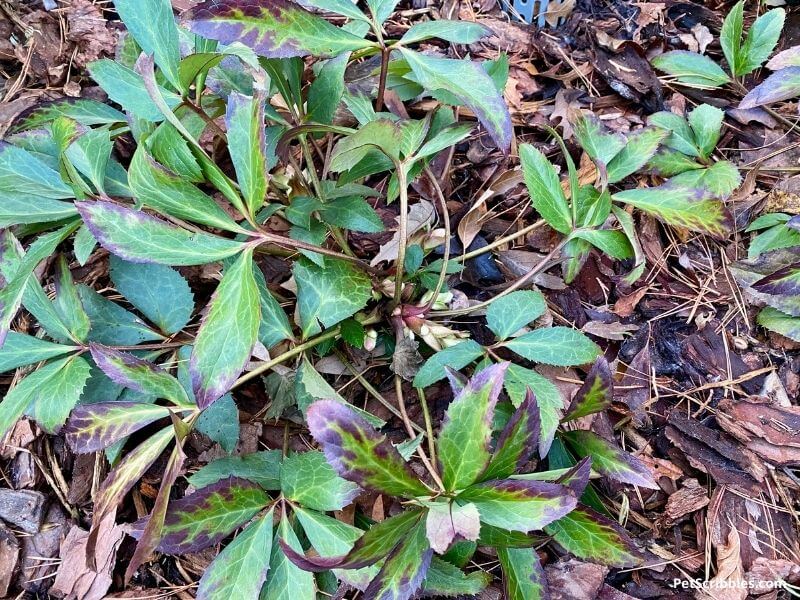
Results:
x,y
67,303
706,124
153,26
220,423
247,144
326,296
139,237
446,138
777,321
774,238
591,536
455,32
264,468
456,357
346,8
20,350
783,85
639,148
358,452
352,212
444,579
228,332
381,134
669,162
125,87
325,92
730,38
381,9
159,292
761,40
544,188
274,29
47,394
596,393
12,294
287,581
22,209
610,460
559,346
308,479
523,576
169,148
404,570
720,180
90,154
508,314
205,517
23,174
112,324
682,137
691,208
612,242
519,505
548,398
691,69
470,84
172,195
467,429
275,325
241,568
599,144
139,375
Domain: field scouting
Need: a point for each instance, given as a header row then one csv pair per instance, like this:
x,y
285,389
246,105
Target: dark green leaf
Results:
x,y
325,92
20,350
455,357
544,188
228,332
261,467
308,479
610,460
706,123
523,576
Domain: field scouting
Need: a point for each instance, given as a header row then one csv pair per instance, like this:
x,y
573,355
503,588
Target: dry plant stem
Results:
x,y
423,401
299,349
398,387
446,257
402,231
544,264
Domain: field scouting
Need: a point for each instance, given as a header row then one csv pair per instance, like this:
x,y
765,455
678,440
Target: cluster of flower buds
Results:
x,y
434,334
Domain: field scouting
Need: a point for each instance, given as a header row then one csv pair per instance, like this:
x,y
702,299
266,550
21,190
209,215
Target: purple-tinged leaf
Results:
x,y
520,505
783,282
610,460
596,393
138,374
517,442
523,576
781,85
404,570
591,536
122,478
139,237
786,58
446,522
577,478
155,522
794,222
467,428
469,83
359,453
272,28
93,427
377,542
227,334
205,517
